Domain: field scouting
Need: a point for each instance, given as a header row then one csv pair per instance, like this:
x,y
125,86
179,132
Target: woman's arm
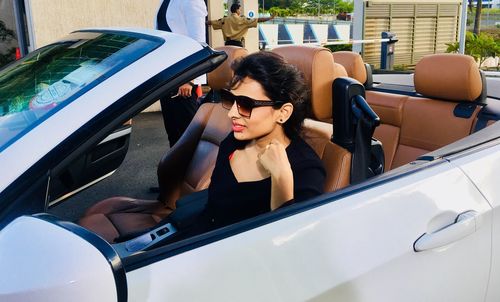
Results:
x,y
275,160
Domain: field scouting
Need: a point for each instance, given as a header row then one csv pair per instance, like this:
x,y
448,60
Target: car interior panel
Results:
x,y
98,162
194,153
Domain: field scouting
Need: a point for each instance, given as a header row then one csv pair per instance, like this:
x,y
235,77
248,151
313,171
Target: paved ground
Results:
x,y
136,174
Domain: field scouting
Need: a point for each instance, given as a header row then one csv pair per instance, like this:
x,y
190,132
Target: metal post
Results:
x,y
357,27
463,27
20,26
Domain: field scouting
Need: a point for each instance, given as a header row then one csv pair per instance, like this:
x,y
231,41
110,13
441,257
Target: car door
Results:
x,y
483,168
69,178
420,236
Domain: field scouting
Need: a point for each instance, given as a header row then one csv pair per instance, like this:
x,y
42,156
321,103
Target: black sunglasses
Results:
x,y
243,103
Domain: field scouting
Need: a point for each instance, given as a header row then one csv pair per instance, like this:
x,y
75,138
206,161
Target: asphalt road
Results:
x,y
148,142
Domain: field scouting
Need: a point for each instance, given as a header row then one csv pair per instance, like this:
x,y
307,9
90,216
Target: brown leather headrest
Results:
x,y
339,71
221,76
452,77
353,64
317,65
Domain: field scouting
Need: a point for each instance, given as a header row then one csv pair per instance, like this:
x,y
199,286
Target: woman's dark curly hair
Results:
x,y
281,82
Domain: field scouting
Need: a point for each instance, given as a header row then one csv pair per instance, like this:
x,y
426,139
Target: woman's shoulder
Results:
x,y
300,152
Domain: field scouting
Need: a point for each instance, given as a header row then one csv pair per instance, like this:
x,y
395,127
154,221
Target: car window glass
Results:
x,y
46,80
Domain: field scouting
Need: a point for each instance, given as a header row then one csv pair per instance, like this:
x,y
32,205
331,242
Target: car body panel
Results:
x,y
62,266
358,248
483,168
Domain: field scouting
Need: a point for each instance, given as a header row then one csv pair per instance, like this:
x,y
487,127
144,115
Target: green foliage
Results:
x,y
339,47
8,56
480,47
490,10
285,8
282,12
6,35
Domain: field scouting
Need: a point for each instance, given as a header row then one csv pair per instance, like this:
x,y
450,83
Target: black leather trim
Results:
x,y
464,110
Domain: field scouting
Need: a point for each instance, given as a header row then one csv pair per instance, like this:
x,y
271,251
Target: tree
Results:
x,y
310,7
6,35
480,47
477,19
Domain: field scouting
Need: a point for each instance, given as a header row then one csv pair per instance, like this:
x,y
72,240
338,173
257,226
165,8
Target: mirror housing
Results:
x,y
43,259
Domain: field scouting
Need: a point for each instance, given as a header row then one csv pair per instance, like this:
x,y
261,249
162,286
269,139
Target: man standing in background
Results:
x,y
235,27
185,17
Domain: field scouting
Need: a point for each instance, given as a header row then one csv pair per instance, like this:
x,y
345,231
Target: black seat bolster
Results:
x,y
354,124
369,77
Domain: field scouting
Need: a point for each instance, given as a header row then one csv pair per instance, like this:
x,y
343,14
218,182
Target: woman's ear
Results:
x,y
285,112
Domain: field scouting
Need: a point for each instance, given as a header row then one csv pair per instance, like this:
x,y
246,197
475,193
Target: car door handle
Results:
x,y
464,225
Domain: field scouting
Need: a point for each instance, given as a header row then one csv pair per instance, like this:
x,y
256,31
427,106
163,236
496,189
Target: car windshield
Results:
x,y
34,88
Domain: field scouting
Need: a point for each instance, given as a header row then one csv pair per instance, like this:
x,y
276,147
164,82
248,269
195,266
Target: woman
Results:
x,y
263,164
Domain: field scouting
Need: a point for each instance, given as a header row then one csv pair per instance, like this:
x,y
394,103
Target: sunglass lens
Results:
x,y
227,103
244,107
227,99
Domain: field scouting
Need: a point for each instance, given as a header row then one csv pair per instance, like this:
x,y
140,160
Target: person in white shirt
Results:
x,y
185,17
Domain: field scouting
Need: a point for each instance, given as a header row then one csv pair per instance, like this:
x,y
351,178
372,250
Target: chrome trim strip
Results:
x,y
80,189
116,135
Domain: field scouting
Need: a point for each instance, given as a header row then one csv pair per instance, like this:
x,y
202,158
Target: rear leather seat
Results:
x,y
415,125
446,82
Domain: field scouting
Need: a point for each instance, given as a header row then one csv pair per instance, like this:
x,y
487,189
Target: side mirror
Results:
x,y
43,259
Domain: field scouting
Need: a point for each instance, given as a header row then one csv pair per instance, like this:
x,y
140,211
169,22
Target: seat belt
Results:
x,y
366,124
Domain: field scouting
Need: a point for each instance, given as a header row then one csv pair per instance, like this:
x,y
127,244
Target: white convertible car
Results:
x,y
411,215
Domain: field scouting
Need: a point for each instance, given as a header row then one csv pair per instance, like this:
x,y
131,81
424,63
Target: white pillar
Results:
x,y
463,27
215,11
358,23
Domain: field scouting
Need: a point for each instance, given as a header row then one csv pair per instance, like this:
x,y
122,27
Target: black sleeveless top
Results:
x,y
230,201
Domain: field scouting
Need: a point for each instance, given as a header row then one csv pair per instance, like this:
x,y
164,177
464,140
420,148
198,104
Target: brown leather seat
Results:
x,y
353,64
220,77
320,71
184,169
443,81
446,81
